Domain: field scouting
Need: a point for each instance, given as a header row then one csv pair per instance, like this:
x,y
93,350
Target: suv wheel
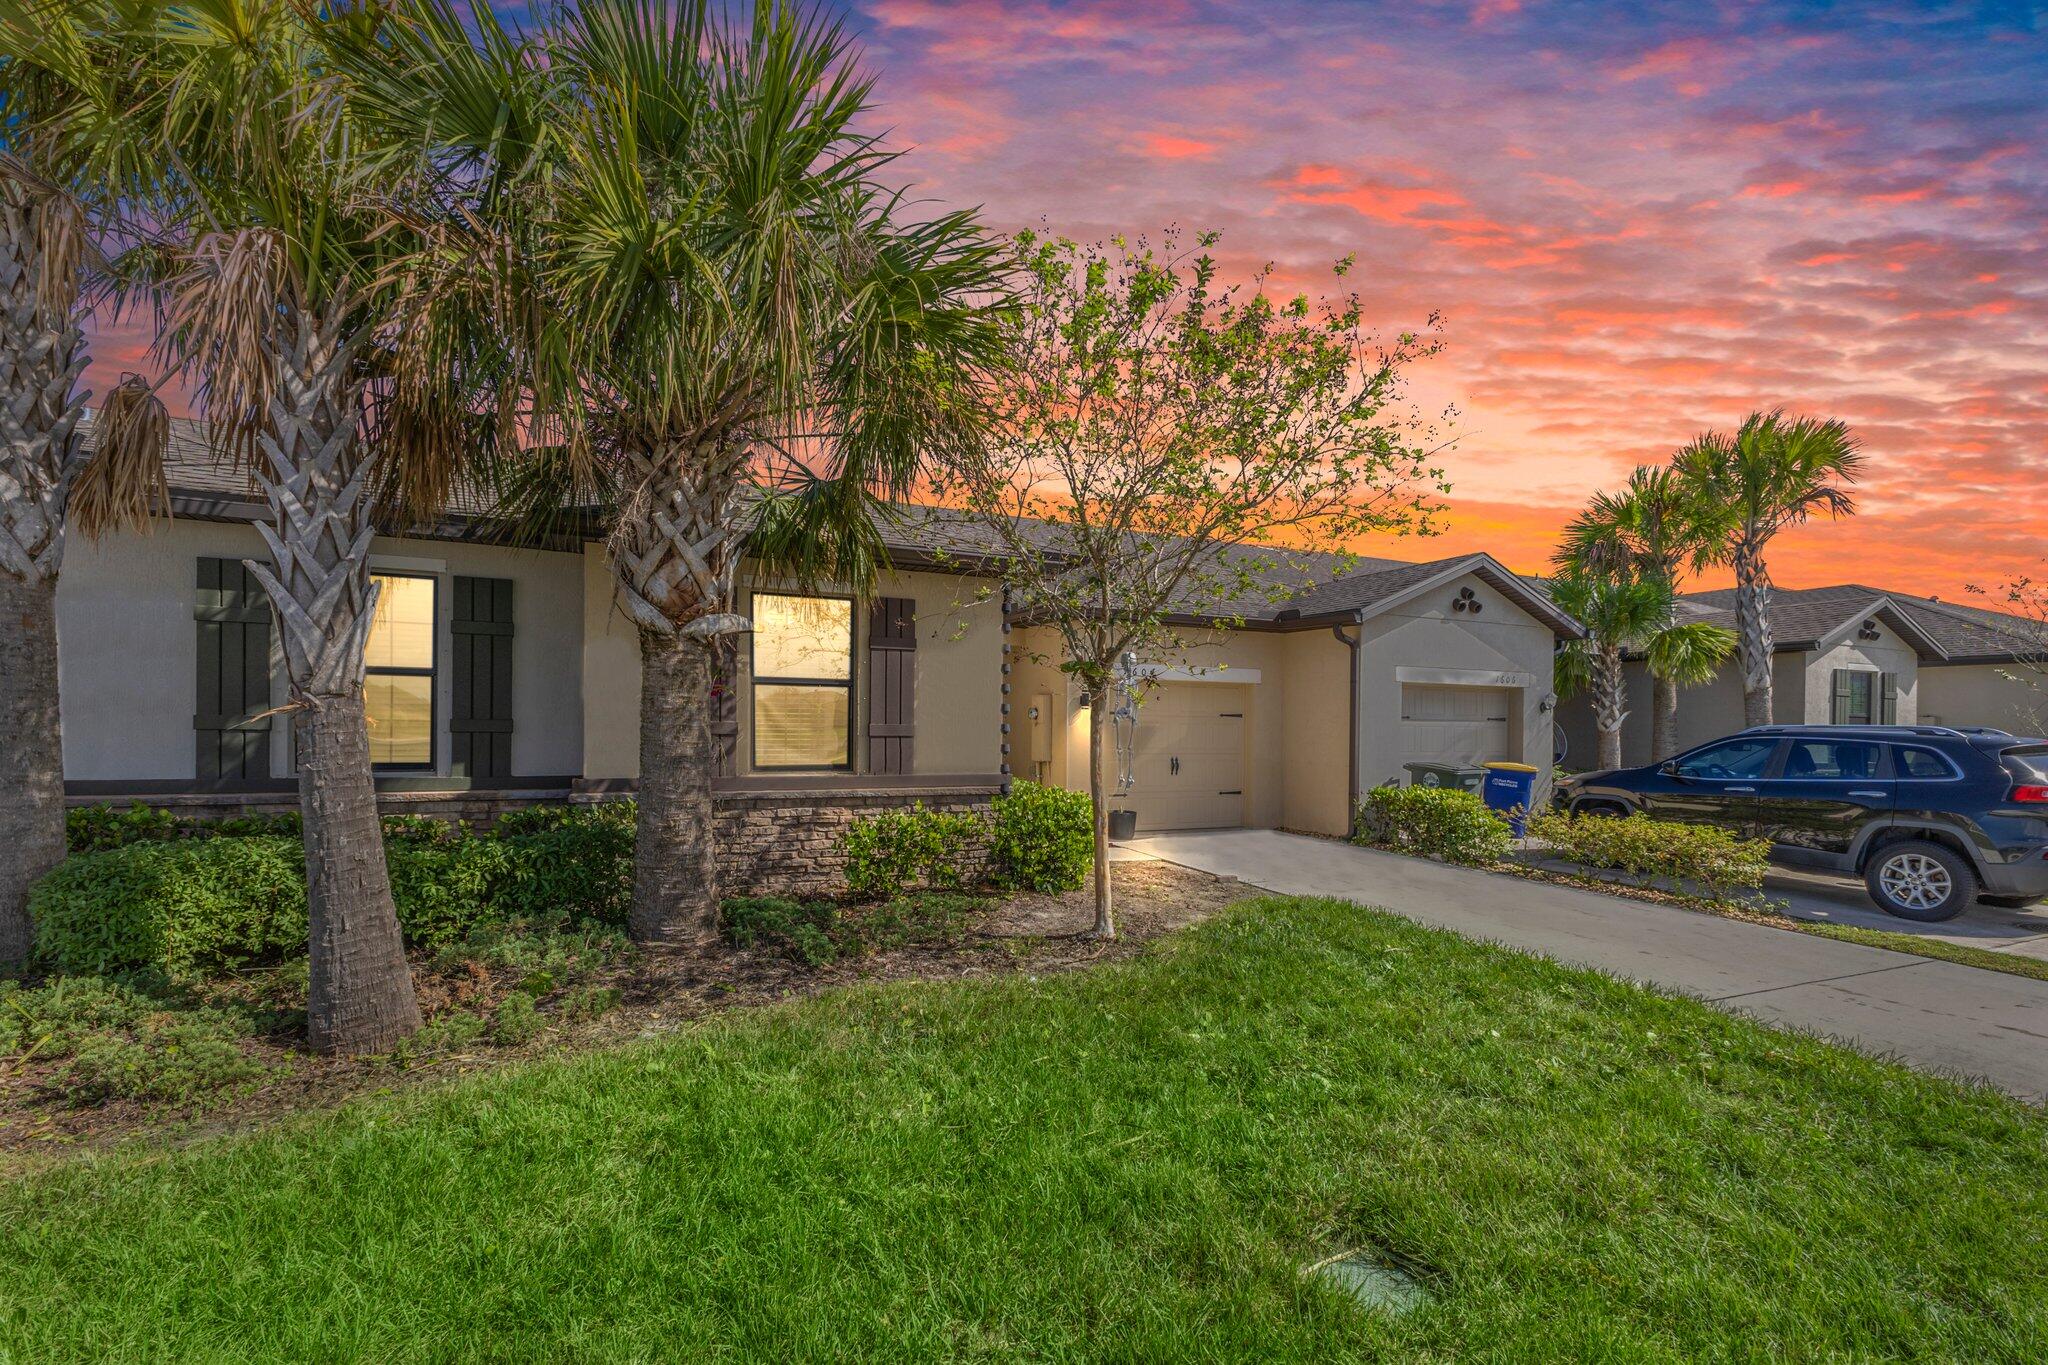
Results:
x,y
1919,880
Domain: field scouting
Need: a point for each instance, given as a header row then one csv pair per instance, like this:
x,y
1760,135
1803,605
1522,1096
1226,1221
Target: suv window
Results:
x,y
1922,763
1736,758
2028,765
1854,760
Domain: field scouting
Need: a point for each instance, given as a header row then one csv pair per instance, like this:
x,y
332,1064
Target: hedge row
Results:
x,y
1436,822
1456,826
192,904
151,889
1685,858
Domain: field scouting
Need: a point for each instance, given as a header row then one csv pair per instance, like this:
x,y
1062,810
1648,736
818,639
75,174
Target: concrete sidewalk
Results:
x,y
1938,1016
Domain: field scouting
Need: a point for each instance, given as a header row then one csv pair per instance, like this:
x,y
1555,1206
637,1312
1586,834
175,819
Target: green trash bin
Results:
x,y
1444,775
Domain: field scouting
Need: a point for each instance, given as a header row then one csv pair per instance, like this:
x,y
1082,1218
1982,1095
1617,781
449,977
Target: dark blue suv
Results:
x,y
1930,816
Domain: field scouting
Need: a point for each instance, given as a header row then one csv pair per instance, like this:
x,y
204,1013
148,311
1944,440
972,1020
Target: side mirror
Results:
x,y
1669,768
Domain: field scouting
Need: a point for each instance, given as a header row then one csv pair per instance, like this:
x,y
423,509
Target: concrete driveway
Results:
x,y
1842,900
1939,1016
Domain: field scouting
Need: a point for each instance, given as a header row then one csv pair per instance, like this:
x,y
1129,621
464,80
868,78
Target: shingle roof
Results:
x,y
1307,583
1801,617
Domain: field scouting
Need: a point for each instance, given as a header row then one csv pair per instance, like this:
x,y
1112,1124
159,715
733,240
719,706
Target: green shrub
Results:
x,y
1043,839
573,861
819,932
894,851
95,829
48,1020
188,907
1437,822
587,1003
442,886
807,930
444,1033
516,1020
542,955
113,1041
925,918
1683,858
166,1056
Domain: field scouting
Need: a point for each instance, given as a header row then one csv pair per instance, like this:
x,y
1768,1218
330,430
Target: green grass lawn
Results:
x,y
1128,1163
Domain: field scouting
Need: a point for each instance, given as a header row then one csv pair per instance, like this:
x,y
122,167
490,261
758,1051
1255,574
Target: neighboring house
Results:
x,y
502,673
1847,655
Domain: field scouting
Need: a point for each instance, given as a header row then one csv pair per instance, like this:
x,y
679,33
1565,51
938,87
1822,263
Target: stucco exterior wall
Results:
x,y
1317,694
1886,654
1425,641
1299,683
1802,690
959,675
128,648
1998,695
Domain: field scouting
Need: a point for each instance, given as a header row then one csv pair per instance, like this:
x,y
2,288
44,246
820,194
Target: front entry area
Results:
x,y
1455,725
1190,762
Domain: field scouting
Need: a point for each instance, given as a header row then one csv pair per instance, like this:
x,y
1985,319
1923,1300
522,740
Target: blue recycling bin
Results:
x,y
1510,788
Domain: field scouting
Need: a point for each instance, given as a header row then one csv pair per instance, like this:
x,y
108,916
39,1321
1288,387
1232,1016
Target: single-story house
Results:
x,y
1848,655
500,673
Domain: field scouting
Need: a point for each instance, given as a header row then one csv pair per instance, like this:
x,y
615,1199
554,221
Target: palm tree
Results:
x,y
68,155
286,299
1773,473
1681,654
1660,528
717,303
1619,609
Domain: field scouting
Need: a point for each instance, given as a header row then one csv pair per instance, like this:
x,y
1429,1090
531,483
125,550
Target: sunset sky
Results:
x,y
1638,221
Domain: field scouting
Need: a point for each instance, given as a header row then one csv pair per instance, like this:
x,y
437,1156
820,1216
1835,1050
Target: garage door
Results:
x,y
1190,757
1455,725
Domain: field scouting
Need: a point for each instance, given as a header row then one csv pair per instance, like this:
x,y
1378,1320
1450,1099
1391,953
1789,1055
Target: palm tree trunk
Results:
x,y
1753,627
1610,703
674,552
675,864
31,753
360,995
41,357
1098,793
1664,723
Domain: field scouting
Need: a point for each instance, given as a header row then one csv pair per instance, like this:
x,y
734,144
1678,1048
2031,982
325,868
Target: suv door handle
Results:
x,y
1746,791
1879,795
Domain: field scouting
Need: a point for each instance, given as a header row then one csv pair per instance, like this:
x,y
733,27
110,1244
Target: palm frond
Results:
x,y
122,485
221,326
1690,653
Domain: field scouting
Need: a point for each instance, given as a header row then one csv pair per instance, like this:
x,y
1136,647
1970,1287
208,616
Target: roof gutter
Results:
x,y
1352,642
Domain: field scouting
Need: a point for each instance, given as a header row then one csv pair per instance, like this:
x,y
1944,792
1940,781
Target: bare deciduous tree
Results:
x,y
1165,451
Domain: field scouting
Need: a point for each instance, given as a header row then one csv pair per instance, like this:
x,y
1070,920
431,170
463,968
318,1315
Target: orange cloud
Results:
x,y
1172,147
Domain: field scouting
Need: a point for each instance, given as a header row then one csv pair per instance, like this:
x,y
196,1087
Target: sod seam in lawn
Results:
x,y
1133,1162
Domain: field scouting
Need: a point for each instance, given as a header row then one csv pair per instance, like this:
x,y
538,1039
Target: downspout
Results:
x,y
1351,642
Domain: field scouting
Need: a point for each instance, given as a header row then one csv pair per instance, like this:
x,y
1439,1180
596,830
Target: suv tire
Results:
x,y
1918,879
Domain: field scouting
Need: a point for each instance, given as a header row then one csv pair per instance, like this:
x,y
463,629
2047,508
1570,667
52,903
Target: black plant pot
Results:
x,y
1123,824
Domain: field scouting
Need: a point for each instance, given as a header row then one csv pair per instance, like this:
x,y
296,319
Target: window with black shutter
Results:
x,y
480,714
231,731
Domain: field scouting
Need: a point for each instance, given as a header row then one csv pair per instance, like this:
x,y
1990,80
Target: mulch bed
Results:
x,y
659,993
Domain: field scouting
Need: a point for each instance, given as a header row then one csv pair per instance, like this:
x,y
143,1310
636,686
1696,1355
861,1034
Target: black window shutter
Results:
x,y
725,709
1889,715
480,721
892,684
233,616
1838,707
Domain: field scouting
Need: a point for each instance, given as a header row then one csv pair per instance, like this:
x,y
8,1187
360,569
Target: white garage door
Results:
x,y
1190,757
1463,726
